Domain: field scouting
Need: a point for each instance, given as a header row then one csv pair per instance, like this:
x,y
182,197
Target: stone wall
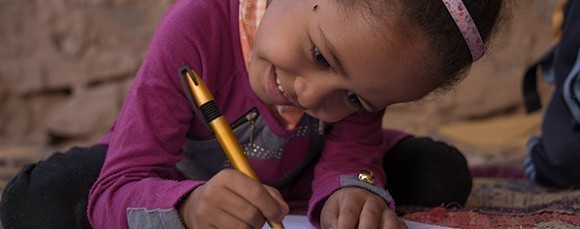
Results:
x,y
65,66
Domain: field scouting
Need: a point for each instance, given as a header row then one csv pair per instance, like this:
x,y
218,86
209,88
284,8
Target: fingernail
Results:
x,y
285,209
281,216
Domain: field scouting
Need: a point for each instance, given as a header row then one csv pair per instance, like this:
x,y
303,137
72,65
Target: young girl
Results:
x,y
305,94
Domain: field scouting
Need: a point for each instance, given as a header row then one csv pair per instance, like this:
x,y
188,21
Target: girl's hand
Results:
x,y
231,199
358,208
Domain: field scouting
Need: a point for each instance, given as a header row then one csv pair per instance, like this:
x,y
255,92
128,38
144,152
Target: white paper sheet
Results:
x,y
301,222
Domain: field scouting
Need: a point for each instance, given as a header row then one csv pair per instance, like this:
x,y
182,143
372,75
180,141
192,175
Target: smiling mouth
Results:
x,y
275,90
278,93
279,86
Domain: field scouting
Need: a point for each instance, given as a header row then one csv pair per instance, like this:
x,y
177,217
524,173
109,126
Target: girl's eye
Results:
x,y
353,99
319,58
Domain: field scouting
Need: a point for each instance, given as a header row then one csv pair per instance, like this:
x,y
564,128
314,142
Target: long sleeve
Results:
x,y
139,174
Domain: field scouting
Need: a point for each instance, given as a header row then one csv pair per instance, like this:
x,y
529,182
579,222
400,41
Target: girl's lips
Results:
x,y
272,89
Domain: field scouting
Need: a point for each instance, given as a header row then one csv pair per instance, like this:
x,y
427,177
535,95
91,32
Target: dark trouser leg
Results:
x,y
556,155
423,172
53,193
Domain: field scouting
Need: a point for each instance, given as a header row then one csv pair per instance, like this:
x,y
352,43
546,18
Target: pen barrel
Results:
x,y
222,130
231,146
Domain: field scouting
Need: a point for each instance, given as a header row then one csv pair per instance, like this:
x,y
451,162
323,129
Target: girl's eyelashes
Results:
x,y
353,99
321,62
319,58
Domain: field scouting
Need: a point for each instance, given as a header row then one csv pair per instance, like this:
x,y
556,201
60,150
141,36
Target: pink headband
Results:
x,y
467,27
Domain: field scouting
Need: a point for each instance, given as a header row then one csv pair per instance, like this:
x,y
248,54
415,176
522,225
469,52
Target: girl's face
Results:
x,y
330,63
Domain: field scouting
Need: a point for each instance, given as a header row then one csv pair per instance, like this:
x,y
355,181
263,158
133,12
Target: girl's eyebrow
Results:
x,y
331,51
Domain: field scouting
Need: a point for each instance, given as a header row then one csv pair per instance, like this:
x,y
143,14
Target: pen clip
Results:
x,y
186,89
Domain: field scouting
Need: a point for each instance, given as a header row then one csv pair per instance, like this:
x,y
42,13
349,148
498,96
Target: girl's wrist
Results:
x,y
183,210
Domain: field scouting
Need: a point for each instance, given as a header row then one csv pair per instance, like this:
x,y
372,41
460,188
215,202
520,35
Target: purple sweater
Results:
x,y
159,150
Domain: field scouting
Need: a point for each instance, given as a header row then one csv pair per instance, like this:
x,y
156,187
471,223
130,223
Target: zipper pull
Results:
x,y
251,117
320,127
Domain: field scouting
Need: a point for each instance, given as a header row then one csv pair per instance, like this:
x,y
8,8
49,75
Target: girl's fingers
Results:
x,y
357,208
350,210
329,214
278,197
208,208
371,214
253,192
228,221
236,206
391,221
231,199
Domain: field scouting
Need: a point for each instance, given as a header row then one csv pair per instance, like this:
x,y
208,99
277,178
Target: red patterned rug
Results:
x,y
502,198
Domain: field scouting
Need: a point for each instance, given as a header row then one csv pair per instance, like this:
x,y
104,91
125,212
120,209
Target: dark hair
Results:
x,y
449,56
453,58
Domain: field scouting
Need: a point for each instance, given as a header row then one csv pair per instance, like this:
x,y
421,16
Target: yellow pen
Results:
x,y
205,102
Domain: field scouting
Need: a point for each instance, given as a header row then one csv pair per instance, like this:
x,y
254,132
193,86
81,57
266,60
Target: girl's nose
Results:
x,y
321,97
311,94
